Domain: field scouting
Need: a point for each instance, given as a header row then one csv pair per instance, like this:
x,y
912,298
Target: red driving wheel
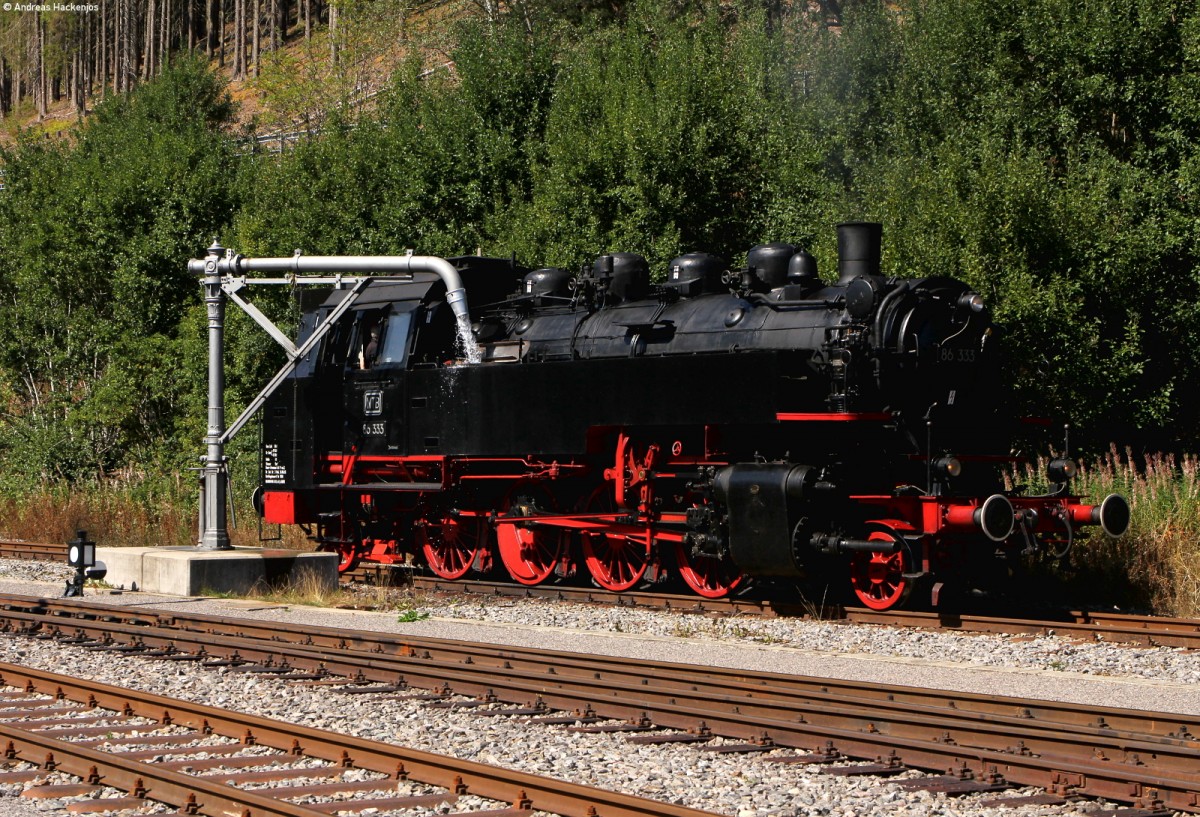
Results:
x,y
878,575
708,576
347,557
451,544
617,561
530,553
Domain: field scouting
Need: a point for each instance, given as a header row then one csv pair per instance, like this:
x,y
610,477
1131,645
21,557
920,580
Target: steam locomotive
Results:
x,y
719,426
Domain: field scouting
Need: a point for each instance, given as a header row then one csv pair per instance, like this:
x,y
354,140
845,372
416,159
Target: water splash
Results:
x,y
465,344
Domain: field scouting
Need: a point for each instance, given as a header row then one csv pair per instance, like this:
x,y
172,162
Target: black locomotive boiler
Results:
x,y
721,425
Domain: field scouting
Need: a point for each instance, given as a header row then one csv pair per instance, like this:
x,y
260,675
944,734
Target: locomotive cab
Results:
x,y
374,382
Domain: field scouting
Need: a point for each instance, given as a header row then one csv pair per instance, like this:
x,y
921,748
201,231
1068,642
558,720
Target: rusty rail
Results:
x,y
1155,631
33,551
525,791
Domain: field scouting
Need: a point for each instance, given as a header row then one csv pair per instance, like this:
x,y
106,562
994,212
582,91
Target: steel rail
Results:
x,y
149,780
1113,628
931,737
40,551
566,664
1150,631
205,630
1107,627
764,608
493,782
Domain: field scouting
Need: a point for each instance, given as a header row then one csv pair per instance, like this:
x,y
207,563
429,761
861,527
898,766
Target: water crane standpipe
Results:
x,y
222,273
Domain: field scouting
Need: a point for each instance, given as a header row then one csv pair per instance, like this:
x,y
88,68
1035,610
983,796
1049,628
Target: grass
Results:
x,y
121,513
1156,565
307,589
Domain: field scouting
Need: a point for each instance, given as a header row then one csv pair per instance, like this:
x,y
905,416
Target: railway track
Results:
x,y
983,743
1117,628
200,759
33,551
1112,627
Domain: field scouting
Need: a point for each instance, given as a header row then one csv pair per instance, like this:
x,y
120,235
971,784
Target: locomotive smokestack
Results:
x,y
859,248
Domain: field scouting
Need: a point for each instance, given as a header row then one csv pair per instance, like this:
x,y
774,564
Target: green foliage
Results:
x,y
651,141
1035,149
94,238
443,154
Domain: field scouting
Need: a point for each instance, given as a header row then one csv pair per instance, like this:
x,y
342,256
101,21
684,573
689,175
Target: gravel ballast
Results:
x,y
1046,667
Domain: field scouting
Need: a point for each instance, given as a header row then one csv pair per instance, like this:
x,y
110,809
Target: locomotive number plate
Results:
x,y
956,354
372,403
373,429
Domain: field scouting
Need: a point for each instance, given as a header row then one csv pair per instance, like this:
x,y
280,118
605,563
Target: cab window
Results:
x,y
394,343
368,338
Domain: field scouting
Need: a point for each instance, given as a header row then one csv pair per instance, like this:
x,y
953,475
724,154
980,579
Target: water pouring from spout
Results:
x,y
457,298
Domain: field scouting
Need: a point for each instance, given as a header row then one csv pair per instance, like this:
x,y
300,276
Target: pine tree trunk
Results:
x,y
239,39
73,79
86,62
129,58
257,31
102,57
119,56
148,53
333,44
40,68
210,27
75,66
116,59
164,35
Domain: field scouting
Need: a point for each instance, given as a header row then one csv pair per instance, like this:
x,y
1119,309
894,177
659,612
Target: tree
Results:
x,y
95,236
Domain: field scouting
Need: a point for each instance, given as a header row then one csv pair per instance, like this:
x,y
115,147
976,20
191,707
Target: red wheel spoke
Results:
x,y
616,562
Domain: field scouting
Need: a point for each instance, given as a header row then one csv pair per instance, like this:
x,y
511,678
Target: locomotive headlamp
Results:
x,y
947,467
1061,470
972,301
861,296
